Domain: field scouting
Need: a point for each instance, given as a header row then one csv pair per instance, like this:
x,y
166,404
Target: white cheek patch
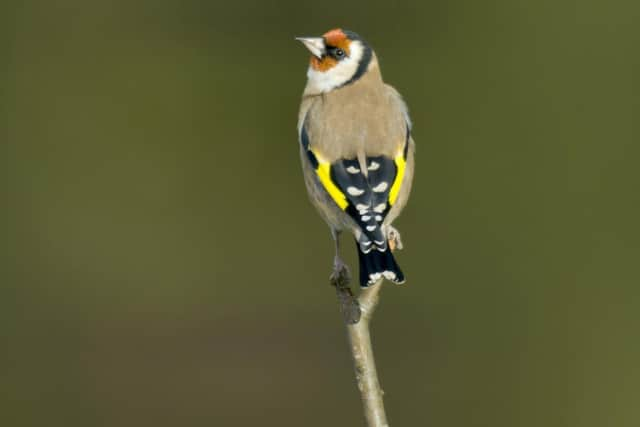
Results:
x,y
324,81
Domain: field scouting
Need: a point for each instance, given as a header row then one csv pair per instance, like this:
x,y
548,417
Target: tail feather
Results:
x,y
376,264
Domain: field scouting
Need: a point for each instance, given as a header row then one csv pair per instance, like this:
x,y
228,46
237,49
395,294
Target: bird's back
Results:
x,y
367,118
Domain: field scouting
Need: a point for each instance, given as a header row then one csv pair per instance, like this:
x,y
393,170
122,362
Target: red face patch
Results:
x,y
324,64
337,38
333,38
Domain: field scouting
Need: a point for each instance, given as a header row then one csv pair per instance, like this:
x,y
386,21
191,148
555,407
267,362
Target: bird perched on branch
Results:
x,y
356,150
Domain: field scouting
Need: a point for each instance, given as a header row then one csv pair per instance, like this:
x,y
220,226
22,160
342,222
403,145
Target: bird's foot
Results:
x,y
341,276
394,238
349,306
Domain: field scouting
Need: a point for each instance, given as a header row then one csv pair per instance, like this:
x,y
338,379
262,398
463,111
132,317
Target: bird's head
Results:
x,y
338,58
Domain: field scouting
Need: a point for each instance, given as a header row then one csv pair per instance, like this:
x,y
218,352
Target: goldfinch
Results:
x,y
356,149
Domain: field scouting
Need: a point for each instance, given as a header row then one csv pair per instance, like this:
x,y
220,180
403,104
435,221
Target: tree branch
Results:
x,y
357,314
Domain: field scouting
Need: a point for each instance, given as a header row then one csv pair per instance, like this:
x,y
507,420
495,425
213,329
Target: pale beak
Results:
x,y
314,44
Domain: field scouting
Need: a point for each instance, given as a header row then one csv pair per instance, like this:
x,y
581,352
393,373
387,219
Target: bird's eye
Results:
x,y
339,53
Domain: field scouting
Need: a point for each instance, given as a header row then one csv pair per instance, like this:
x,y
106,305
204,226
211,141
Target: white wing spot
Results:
x,y
362,208
378,243
371,227
366,218
381,188
378,218
353,170
373,166
354,191
380,208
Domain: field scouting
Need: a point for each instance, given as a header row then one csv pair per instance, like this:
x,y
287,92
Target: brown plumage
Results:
x,y
356,150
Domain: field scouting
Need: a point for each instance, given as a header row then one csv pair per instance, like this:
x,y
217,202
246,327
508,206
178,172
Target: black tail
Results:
x,y
377,264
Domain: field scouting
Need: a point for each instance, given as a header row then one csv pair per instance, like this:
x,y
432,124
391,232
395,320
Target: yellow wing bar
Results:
x,y
401,163
338,196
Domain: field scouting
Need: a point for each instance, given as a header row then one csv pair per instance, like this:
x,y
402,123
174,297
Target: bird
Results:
x,y
356,149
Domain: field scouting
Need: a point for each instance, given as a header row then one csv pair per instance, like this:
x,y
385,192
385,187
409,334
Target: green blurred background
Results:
x,y
163,266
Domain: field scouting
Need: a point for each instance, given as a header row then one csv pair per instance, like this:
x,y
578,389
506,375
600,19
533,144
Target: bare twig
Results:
x,y
364,363
357,314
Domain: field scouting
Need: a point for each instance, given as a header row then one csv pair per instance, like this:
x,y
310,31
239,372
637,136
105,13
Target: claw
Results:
x,y
341,276
394,238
